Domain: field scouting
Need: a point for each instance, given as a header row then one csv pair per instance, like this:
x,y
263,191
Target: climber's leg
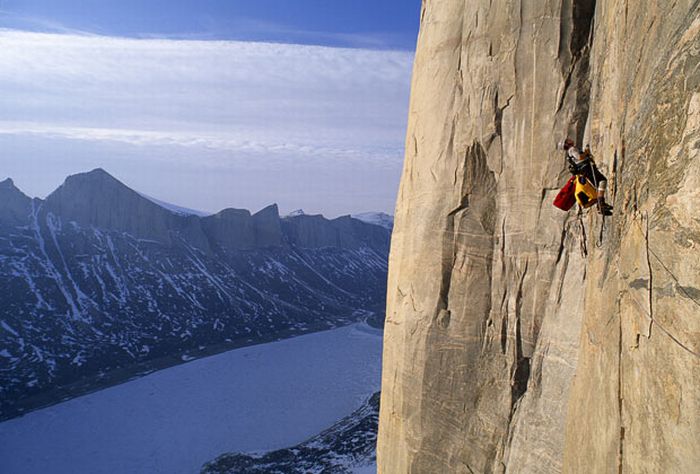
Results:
x,y
603,207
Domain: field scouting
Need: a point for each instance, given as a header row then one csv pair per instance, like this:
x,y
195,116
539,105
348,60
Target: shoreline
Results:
x,y
138,370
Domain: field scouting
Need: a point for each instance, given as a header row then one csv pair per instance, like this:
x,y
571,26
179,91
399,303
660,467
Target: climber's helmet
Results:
x,y
566,144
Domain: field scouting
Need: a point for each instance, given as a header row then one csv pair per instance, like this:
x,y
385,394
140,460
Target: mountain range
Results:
x,y
99,283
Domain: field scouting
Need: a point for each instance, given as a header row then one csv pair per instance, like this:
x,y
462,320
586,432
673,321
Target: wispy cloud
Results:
x,y
221,94
10,20
259,101
241,144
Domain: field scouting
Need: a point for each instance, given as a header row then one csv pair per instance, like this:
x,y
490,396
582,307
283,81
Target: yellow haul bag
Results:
x,y
586,194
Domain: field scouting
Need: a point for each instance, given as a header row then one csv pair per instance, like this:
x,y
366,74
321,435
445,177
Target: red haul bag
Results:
x,y
566,198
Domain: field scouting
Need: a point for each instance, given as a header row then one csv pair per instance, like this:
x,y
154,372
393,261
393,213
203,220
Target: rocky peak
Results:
x,y
96,185
231,229
237,229
15,206
268,227
231,213
8,188
98,199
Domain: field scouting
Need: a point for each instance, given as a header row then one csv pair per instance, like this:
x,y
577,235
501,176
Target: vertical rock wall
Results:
x,y
635,404
498,301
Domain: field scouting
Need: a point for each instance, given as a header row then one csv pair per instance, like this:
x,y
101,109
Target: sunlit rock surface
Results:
x,y
520,338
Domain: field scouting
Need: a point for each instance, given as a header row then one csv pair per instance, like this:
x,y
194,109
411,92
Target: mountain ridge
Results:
x,y
97,279
88,198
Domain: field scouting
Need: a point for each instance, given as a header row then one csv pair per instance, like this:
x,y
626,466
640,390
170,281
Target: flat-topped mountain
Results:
x,y
343,232
98,279
237,229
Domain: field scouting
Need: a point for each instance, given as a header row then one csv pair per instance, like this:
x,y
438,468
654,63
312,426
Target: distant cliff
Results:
x,y
519,338
97,280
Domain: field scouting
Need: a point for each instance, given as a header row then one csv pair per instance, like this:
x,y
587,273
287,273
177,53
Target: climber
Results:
x,y
586,172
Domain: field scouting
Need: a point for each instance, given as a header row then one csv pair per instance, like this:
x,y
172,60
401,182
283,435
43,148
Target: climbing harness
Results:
x,y
586,194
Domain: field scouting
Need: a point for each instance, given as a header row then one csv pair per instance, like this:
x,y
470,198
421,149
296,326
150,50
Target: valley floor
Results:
x,y
257,398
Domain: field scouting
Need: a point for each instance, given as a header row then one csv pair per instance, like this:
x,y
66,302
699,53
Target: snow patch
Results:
x,y
376,218
179,210
8,328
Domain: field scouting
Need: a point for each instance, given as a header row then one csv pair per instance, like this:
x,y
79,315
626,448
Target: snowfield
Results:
x,y
257,398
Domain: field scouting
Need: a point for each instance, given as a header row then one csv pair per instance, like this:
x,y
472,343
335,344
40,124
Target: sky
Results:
x,y
210,104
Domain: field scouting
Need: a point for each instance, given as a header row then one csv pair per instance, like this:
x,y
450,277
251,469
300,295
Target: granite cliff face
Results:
x,y
520,338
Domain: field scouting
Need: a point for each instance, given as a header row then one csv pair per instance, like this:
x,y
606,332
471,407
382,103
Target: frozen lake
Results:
x,y
256,398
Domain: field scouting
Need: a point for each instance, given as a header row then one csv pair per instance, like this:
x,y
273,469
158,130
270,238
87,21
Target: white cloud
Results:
x,y
255,97
224,142
206,124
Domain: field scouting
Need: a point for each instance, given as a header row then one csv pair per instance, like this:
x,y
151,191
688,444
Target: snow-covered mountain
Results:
x,y
377,218
185,211
97,282
347,447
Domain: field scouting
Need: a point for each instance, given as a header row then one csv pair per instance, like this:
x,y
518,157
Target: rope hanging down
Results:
x,y
598,244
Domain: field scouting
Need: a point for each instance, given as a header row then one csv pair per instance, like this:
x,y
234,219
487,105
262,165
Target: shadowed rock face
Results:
x,y
344,232
519,338
97,279
98,199
14,205
236,229
231,228
268,227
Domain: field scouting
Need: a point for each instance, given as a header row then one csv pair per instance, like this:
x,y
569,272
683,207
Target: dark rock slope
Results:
x,y
97,279
348,444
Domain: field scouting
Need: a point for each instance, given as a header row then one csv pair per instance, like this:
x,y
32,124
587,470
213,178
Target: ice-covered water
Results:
x,y
251,399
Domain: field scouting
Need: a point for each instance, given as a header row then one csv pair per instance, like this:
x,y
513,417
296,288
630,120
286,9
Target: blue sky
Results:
x,y
354,23
210,104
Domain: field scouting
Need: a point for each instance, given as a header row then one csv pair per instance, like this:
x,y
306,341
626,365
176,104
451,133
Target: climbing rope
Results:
x,y
648,313
663,265
660,326
582,243
599,243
